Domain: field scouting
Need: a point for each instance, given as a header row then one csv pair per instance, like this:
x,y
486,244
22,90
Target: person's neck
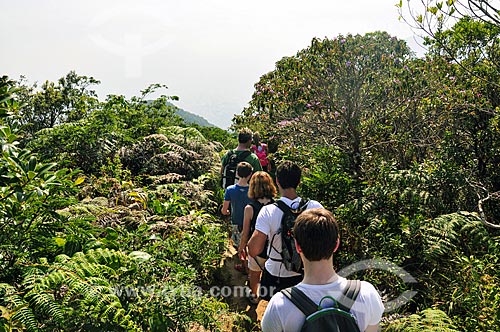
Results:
x,y
319,272
289,193
243,182
264,200
242,147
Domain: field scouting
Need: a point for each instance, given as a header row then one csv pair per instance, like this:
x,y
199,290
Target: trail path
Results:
x,y
241,303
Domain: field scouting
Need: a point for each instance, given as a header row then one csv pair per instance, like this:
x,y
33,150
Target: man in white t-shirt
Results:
x,y
275,276
316,239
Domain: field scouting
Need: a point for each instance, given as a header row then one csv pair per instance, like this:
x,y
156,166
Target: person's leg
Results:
x,y
268,285
253,280
236,238
255,265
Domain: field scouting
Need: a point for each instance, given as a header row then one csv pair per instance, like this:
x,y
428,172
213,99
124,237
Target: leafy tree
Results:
x,y
30,193
464,84
473,25
90,141
68,100
324,94
7,102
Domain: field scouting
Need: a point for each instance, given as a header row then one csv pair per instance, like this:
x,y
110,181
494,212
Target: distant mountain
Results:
x,y
193,118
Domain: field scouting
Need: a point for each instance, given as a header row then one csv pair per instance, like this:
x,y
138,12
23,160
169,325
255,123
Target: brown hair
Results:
x,y
261,185
288,174
256,138
245,135
244,169
316,232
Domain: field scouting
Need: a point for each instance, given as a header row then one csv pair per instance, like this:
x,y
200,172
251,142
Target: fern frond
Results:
x,y
43,302
77,282
454,234
21,312
429,320
180,133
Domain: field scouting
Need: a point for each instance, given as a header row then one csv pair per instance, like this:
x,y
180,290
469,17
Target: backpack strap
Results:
x,y
350,295
256,207
282,206
300,300
244,155
285,208
308,307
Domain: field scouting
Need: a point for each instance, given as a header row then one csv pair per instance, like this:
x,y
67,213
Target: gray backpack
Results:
x,y
337,318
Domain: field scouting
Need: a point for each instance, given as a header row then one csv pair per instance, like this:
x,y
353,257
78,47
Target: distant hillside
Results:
x,y
193,118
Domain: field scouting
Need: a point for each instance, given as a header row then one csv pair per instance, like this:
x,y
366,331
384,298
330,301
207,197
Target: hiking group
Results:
x,y
287,246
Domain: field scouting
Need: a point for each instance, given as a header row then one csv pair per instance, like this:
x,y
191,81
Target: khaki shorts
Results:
x,y
256,263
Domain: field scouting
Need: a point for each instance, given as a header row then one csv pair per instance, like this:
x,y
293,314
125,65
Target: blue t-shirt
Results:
x,y
238,196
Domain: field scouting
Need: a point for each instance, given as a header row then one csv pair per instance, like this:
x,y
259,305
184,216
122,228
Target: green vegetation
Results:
x,y
109,209
403,150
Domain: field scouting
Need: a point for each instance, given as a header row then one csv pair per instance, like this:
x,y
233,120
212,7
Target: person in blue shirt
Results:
x,y
235,200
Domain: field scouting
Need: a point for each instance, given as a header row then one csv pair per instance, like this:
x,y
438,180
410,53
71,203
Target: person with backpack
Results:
x,y
236,198
274,222
233,157
261,150
323,301
262,192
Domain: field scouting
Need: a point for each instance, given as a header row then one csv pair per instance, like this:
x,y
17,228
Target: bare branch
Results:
x,y
484,220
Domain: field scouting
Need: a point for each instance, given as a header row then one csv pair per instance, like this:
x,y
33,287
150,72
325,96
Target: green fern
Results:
x,y
20,311
79,282
429,320
453,235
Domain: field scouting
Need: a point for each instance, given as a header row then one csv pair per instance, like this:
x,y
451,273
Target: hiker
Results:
x,y
275,275
236,197
262,192
234,156
317,238
261,150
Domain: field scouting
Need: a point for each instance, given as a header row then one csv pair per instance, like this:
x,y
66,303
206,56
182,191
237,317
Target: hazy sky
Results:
x,y
209,53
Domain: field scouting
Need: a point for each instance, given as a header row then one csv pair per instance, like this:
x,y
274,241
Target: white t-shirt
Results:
x,y
268,222
282,315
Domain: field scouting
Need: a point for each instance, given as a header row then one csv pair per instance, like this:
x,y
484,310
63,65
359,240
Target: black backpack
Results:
x,y
337,318
289,255
229,172
256,206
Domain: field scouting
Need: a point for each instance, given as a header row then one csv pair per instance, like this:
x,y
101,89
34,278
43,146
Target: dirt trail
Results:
x,y
241,303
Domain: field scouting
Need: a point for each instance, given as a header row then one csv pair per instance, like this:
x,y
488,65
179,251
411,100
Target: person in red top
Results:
x,y
260,149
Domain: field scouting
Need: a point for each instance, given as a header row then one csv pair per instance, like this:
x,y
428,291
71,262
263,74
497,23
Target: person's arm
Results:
x,y
372,328
245,234
256,165
256,243
225,208
223,163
